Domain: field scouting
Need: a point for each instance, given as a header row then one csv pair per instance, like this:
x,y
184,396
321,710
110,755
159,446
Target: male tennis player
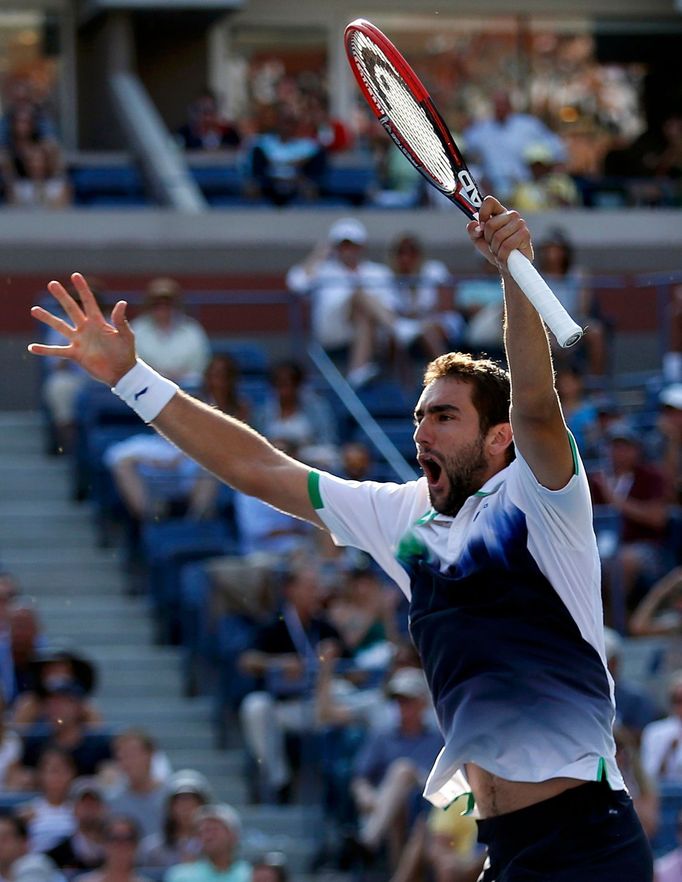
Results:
x,y
495,549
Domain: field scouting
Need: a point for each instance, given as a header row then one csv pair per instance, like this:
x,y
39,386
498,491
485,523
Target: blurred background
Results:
x,y
212,162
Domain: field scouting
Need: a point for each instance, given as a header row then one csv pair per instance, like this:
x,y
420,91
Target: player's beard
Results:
x,y
465,470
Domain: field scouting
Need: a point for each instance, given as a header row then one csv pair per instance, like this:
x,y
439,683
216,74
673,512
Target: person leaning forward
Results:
x,y
495,550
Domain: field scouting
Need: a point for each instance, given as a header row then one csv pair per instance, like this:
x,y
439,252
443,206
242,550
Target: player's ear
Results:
x,y
499,438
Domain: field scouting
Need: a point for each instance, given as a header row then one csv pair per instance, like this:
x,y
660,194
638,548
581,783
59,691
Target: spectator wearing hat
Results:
x,y
65,728
391,768
219,830
178,842
548,186
84,848
13,843
669,430
270,867
171,342
56,666
141,796
121,838
637,492
351,298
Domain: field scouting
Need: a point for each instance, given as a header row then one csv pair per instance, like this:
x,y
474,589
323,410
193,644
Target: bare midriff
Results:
x,y
497,796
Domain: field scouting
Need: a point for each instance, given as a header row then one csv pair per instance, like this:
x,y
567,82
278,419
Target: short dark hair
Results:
x,y
19,824
491,391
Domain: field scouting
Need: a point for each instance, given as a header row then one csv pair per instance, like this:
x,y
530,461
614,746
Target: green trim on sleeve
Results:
x,y
574,454
314,490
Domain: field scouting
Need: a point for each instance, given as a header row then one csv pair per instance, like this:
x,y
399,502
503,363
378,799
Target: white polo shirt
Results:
x,y
506,612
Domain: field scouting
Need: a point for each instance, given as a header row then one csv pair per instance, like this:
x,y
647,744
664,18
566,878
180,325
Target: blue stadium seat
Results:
x,y
108,185
665,840
352,184
252,358
221,184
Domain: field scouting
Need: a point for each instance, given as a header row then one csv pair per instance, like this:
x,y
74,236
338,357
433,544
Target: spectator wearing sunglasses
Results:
x,y
120,841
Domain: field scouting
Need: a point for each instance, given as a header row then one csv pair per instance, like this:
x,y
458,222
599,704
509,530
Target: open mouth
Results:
x,y
432,470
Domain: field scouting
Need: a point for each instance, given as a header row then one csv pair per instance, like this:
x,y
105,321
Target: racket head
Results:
x,y
402,104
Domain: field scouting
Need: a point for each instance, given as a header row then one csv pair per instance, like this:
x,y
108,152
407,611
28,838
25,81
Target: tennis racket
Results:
x,y
404,108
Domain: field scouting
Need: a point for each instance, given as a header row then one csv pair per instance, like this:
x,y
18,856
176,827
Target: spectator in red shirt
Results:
x,y
638,492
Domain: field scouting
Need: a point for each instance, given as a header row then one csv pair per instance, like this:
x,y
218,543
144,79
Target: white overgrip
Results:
x,y
560,323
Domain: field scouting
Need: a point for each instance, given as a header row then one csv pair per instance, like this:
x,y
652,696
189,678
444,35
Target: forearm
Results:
x,y
236,454
528,355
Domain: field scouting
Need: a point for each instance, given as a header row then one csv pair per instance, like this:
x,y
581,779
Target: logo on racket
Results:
x,y
468,189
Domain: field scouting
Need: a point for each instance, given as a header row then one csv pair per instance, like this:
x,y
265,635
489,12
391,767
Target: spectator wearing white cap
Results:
x,y
393,764
219,830
351,298
178,842
670,431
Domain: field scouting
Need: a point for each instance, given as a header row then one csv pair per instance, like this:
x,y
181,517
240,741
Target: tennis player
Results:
x,y
493,546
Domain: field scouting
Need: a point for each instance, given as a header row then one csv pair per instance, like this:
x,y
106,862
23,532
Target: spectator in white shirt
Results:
x,y
351,298
171,342
662,739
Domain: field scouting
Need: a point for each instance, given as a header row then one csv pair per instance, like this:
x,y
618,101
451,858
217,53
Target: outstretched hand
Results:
x,y
498,231
105,350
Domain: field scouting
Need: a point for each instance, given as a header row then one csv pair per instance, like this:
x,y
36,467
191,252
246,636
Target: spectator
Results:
x,y
443,844
500,141
556,263
84,848
293,412
285,658
142,797
668,868
155,480
548,188
205,128
580,412
637,492
271,867
635,708
49,817
219,832
669,430
26,637
641,786
392,766
121,838
43,183
9,591
672,357
423,296
659,613
283,165
10,753
24,134
167,339
330,133
351,298
480,301
187,791
55,667
13,843
662,739
35,868
65,728
221,387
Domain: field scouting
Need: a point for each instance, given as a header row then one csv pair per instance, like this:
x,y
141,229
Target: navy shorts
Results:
x,y
589,833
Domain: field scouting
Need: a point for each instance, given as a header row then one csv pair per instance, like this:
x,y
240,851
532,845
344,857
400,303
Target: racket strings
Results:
x,y
394,100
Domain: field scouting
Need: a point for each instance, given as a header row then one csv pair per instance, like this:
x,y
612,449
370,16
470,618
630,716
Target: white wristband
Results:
x,y
145,391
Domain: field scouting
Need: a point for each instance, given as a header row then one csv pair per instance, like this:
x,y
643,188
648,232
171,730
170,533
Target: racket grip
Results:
x,y
566,331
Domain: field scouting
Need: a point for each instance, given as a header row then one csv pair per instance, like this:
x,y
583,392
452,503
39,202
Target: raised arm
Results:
x,y
230,449
540,433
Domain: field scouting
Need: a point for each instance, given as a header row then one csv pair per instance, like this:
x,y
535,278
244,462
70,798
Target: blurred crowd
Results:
x,y
302,645
580,133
